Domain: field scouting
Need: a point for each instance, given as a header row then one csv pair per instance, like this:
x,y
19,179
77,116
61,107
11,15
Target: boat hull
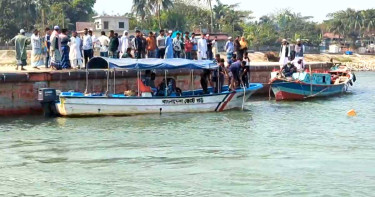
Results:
x,y
100,106
294,90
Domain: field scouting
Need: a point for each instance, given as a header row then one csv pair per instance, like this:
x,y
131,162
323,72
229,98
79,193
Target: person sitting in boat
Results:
x,y
171,91
288,69
147,79
127,54
205,78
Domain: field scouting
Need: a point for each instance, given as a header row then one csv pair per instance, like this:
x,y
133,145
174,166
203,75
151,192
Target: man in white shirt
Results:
x,y
87,47
104,42
160,43
202,48
124,43
75,45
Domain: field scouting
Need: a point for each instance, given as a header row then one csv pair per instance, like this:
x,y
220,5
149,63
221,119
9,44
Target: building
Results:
x,y
105,23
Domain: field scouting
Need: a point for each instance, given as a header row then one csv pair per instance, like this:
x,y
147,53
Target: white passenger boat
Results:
x,y
81,104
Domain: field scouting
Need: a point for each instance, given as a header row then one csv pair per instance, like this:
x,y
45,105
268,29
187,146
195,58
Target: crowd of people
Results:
x,y
291,57
59,51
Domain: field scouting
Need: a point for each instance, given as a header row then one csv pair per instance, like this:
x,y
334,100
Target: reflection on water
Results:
x,y
270,149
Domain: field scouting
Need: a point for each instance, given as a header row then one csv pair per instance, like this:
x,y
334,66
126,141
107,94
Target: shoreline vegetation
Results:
x,y
355,62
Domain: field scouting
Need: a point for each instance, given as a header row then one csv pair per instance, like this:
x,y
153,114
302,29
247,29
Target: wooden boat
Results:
x,y
307,84
80,104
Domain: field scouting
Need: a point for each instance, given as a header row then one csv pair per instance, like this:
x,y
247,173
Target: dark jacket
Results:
x,y
113,44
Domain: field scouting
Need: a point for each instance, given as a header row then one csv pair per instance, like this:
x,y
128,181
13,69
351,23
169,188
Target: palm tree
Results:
x,y
161,4
145,7
209,3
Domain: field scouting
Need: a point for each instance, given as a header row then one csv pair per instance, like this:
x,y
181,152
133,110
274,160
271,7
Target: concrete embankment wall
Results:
x,y
18,91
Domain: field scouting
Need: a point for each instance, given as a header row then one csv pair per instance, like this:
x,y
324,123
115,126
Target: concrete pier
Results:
x,y
18,90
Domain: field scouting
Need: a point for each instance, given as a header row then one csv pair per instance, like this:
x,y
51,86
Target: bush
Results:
x,y
272,57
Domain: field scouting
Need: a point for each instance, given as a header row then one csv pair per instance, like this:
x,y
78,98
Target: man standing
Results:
x,y
215,49
284,53
55,49
177,46
188,47
202,48
229,48
169,45
113,45
124,42
151,45
87,46
47,44
237,46
209,47
194,50
21,41
138,45
36,53
300,51
75,55
144,45
161,44
104,43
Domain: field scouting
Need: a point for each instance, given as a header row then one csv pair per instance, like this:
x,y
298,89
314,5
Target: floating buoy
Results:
x,y
351,112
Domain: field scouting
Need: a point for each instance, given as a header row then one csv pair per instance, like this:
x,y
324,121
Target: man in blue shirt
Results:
x,y
47,44
229,48
235,72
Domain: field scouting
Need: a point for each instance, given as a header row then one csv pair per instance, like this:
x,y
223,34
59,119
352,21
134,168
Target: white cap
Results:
x,y
126,31
207,35
229,38
170,31
298,40
22,31
284,40
56,28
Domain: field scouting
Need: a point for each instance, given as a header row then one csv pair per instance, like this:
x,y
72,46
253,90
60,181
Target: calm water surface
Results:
x,y
272,149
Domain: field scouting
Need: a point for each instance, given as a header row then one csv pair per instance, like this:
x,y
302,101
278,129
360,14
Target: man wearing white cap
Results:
x,y
229,48
124,43
300,50
202,48
21,41
284,53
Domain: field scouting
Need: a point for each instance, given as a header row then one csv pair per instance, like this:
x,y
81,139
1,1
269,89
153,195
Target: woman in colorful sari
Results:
x,y
55,49
65,63
36,53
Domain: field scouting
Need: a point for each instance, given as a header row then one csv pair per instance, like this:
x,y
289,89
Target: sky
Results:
x,y
316,8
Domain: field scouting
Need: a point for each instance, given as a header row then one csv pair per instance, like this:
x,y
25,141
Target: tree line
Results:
x,y
31,14
192,15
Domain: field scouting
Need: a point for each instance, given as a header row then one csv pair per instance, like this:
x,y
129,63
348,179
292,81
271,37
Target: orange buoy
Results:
x,y
351,112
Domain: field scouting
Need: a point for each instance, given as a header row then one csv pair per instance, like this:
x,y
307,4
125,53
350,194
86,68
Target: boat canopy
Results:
x,y
162,64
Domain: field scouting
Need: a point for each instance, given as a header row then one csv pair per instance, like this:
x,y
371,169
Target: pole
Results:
x,y
106,93
114,81
166,84
311,88
138,76
218,80
87,80
192,81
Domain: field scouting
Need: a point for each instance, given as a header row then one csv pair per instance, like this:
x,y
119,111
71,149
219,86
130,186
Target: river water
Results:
x,y
273,148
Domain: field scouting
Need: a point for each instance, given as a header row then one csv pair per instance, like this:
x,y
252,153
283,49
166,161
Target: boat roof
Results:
x,y
162,64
